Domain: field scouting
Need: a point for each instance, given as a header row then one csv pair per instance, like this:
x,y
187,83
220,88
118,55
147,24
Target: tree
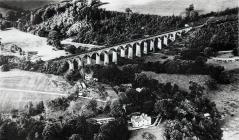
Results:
x,y
75,125
165,107
141,80
40,107
208,51
8,131
58,104
173,130
54,39
11,16
29,108
235,51
128,11
52,131
1,15
35,133
116,109
116,130
70,48
148,136
133,96
49,12
5,68
92,104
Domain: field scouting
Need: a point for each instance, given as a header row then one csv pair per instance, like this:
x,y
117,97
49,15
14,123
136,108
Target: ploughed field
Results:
x,y
20,87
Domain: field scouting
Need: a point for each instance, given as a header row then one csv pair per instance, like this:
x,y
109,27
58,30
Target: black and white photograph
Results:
x,y
119,70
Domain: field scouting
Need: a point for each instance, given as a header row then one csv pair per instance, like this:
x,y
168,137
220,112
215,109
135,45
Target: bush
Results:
x,y
72,75
211,84
141,80
5,68
54,39
219,74
235,51
42,33
208,51
190,54
57,44
59,104
148,136
5,24
70,48
54,35
225,77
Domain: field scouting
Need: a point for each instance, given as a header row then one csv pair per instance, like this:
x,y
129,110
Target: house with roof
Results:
x,y
141,120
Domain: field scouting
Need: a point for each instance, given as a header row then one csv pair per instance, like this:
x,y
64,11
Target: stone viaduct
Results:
x,y
129,50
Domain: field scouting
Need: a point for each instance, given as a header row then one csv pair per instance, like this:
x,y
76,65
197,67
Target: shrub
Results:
x,y
190,54
148,136
59,104
211,84
72,75
200,61
5,68
14,113
42,33
225,77
57,44
54,39
54,35
70,48
40,107
214,71
141,80
92,104
235,51
208,51
52,131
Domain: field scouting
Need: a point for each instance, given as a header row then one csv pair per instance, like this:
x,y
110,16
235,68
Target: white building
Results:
x,y
141,121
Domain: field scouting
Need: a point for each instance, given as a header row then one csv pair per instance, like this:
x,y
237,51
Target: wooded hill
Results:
x,y
88,23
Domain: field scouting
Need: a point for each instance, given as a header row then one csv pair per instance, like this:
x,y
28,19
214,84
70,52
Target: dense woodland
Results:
x,y
90,24
184,117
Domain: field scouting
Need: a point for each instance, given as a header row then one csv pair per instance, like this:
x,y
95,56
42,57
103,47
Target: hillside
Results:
x,y
92,25
19,87
25,5
29,43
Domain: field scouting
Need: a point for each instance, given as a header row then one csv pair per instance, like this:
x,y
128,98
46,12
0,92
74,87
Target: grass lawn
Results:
x,y
19,87
181,80
30,42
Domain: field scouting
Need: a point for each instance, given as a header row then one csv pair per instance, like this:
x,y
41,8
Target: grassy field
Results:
x,y
227,101
18,87
181,80
30,42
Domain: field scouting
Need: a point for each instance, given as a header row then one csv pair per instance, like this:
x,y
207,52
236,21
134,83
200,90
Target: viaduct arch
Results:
x,y
126,50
